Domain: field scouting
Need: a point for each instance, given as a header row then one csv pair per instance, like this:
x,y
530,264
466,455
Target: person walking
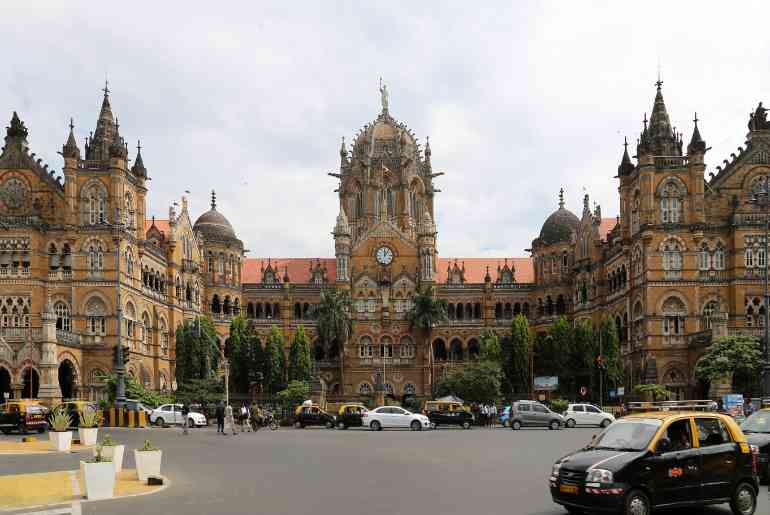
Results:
x,y
230,419
220,415
245,416
484,415
492,416
186,418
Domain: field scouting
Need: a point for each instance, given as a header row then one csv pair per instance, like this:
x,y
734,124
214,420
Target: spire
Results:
x,y
118,145
662,139
213,200
138,169
696,142
342,228
487,277
586,208
343,153
70,148
427,149
626,166
561,198
286,274
103,136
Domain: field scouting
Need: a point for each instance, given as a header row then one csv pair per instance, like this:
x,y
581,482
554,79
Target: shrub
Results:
x,y
89,417
559,405
60,420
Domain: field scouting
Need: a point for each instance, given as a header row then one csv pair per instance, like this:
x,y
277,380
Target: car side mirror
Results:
x,y
664,445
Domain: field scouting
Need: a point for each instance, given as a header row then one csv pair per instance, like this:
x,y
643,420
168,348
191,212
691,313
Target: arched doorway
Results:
x,y
67,379
5,384
30,383
439,350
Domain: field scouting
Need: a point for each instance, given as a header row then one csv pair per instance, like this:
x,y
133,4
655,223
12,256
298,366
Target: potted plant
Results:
x,y
89,426
98,475
60,437
147,461
110,449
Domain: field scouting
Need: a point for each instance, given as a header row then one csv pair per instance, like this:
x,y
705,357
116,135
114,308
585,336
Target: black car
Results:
x,y
312,416
655,460
349,415
448,413
757,431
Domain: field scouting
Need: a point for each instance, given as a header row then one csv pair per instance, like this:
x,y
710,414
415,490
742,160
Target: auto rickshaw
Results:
x,y
349,415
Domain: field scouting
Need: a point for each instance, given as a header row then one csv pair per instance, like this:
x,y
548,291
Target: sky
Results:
x,y
251,99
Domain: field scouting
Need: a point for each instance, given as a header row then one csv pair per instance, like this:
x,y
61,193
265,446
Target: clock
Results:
x,y
384,255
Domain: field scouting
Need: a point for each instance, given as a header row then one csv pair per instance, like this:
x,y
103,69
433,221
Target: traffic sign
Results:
x,y
583,391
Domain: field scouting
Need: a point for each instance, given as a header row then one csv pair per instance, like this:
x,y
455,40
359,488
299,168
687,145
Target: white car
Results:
x,y
393,416
587,415
172,414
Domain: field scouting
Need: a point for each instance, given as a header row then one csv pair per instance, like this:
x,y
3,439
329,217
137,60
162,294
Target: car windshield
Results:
x,y
758,422
627,435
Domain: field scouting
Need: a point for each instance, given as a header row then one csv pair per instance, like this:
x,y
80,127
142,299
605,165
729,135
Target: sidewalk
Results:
x,y
36,447
46,488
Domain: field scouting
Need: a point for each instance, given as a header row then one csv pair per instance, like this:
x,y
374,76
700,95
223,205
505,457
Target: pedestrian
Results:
x,y
484,415
220,415
185,417
493,416
245,418
230,419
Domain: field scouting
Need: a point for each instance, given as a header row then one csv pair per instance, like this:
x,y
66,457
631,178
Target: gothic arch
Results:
x,y
752,174
665,298
669,238
89,297
66,355
674,374
676,180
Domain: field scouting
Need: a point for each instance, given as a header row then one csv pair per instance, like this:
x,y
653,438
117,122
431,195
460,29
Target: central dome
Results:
x,y
213,224
558,227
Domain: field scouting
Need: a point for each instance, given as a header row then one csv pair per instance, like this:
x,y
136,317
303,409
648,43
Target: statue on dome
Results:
x,y
384,96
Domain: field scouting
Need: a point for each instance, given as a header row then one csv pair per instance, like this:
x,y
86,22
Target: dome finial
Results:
x,y
561,198
213,199
384,96
106,88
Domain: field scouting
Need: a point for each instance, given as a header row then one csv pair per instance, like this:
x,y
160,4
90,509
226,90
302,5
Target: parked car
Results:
x,y
533,414
172,414
662,459
75,407
23,416
312,415
393,416
757,430
587,415
350,415
448,413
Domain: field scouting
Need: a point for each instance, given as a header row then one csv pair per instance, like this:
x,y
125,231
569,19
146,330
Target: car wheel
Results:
x,y
570,423
191,423
554,425
605,422
744,501
416,426
574,511
466,425
433,425
6,431
341,425
298,424
637,503
160,422
375,426
516,425
329,424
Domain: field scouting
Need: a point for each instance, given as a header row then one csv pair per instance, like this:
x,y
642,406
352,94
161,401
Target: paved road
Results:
x,y
320,472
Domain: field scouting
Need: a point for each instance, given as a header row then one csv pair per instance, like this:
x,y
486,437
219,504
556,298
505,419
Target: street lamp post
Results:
x,y
762,199
120,368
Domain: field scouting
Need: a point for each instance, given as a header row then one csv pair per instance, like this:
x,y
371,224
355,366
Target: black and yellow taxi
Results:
x,y
312,415
660,459
75,407
757,430
350,415
448,413
23,416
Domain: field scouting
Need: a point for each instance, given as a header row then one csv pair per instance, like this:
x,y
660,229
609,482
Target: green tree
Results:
x,y
299,357
491,349
656,392
333,320
425,313
477,381
197,350
582,351
295,393
552,352
515,356
273,361
729,355
206,391
608,333
237,351
135,390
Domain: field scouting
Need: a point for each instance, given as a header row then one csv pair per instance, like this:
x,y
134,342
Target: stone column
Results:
x,y
49,392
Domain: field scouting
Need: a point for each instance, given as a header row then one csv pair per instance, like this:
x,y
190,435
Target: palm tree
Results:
x,y
425,313
334,323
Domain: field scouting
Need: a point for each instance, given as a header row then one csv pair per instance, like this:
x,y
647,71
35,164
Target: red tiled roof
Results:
x,y
162,226
299,268
606,226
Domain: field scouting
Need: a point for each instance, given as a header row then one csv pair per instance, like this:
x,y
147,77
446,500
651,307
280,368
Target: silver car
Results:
x,y
534,414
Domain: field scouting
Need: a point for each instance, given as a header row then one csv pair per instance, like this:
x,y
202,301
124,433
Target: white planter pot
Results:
x,y
99,479
60,441
115,452
147,463
88,435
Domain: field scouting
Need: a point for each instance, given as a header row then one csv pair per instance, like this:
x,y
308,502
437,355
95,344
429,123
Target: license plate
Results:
x,y
568,489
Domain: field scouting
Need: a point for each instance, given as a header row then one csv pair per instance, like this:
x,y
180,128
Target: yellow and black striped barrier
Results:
x,y
121,417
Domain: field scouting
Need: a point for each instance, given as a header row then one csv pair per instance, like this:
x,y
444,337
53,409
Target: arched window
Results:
x,y
215,305
129,262
748,257
409,389
130,317
719,257
97,204
146,332
671,204
709,310
674,313
364,389
672,256
163,337
455,350
386,347
95,313
365,347
130,214
637,262
95,257
635,209
703,257
407,347
62,312
390,197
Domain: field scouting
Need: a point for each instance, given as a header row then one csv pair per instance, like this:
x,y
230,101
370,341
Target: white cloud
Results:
x,y
251,99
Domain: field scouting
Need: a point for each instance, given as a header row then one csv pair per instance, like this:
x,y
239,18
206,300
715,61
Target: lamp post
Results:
x,y
120,368
761,198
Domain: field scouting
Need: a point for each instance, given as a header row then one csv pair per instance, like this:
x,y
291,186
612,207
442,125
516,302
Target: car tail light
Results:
x,y
754,454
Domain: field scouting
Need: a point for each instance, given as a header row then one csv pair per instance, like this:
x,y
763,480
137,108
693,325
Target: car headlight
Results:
x,y
555,469
599,476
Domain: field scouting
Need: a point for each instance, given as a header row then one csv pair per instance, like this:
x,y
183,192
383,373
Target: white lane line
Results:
x,y
56,511
75,483
76,508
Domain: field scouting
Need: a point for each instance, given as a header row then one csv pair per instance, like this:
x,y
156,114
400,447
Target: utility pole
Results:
x,y
227,382
601,375
120,368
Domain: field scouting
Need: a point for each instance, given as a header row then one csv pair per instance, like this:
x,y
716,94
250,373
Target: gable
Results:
x,y
385,230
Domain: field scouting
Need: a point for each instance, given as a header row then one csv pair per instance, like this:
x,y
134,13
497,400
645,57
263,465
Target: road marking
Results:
x,y
56,511
75,483
76,508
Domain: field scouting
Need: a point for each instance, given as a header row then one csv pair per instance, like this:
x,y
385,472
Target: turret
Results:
x,y
697,146
99,144
626,167
426,244
138,168
16,134
71,154
70,149
342,247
